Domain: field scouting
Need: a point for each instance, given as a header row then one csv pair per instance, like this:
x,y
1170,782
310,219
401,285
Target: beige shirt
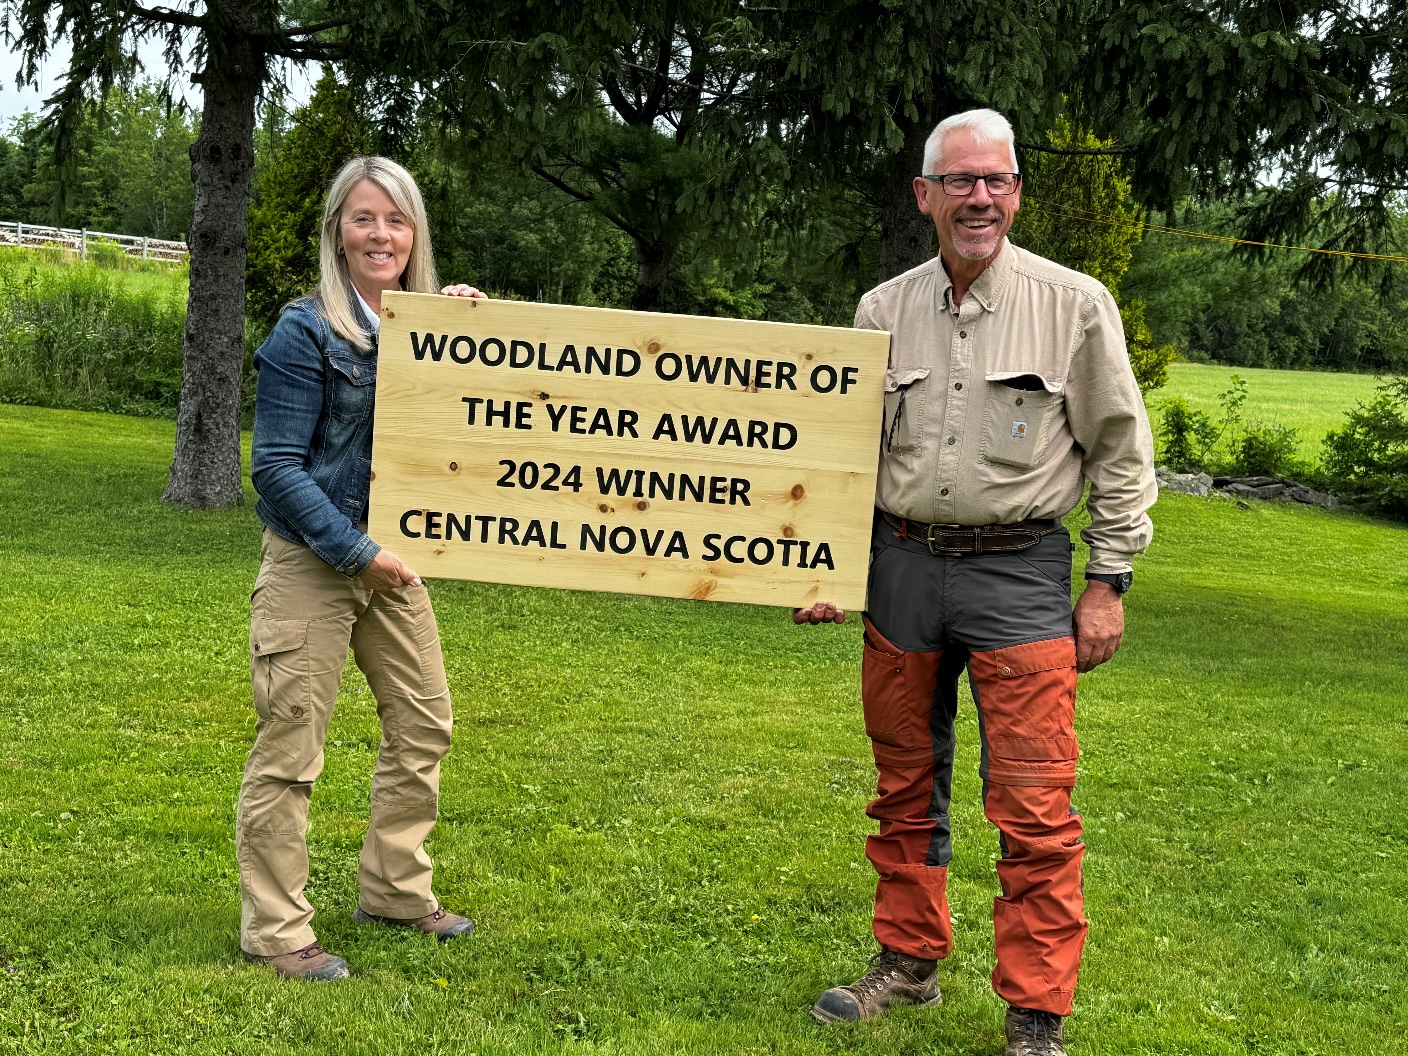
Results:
x,y
999,410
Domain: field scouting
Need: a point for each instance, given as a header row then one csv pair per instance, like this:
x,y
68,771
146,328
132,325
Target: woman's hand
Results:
x,y
463,290
388,572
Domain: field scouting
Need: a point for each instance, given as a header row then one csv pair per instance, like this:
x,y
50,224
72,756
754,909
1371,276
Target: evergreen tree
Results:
x,y
287,214
235,43
1209,97
640,114
130,171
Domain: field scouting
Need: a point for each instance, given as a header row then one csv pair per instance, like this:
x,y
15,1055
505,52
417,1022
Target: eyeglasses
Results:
x,y
961,184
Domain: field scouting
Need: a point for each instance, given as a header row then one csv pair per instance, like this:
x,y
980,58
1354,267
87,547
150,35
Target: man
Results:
x,y
1008,388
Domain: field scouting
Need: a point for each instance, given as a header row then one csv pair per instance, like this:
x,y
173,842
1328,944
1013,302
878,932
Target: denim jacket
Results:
x,y
312,455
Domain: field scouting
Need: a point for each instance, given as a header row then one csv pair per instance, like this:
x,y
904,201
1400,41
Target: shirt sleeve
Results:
x,y
1108,420
863,320
288,403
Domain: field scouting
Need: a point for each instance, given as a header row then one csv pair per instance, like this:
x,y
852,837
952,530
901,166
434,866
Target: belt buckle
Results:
x,y
948,551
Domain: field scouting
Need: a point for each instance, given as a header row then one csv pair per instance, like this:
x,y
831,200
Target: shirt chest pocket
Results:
x,y
353,383
1017,418
904,409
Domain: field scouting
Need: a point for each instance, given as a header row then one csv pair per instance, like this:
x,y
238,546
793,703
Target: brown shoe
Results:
x,y
893,979
443,924
1032,1032
312,963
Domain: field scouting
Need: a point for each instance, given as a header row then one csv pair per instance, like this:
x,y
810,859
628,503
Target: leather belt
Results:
x,y
957,540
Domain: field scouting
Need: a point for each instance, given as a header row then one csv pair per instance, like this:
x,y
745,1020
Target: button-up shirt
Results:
x,y
1000,408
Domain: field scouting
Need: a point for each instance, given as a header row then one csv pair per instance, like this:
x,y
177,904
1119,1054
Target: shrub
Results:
x,y
1191,439
1265,450
1371,451
1187,436
82,337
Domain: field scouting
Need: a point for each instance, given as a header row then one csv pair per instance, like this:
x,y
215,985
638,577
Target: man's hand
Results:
x,y
387,572
1099,620
821,612
463,290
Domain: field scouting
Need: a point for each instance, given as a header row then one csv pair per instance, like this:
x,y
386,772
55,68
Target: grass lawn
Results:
x,y
1310,402
654,809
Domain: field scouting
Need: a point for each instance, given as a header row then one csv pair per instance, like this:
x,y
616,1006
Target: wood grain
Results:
x,y
764,513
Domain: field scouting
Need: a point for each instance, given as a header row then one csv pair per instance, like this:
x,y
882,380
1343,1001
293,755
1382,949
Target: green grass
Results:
x,y
1310,402
85,336
654,809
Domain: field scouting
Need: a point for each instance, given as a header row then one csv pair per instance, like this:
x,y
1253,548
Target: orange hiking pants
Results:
x,y
929,619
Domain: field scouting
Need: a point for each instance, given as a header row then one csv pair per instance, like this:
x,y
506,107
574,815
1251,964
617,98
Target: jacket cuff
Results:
x,y
361,556
1109,562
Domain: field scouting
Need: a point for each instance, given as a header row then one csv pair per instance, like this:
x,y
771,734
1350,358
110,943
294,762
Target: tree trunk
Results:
x,y
652,272
205,472
906,234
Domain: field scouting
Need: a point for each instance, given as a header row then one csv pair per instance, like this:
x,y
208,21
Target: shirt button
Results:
x,y
963,333
256,647
943,491
296,711
1019,401
958,384
1006,671
356,372
952,441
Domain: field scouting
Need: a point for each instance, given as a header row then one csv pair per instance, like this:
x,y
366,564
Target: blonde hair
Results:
x,y
336,294
985,126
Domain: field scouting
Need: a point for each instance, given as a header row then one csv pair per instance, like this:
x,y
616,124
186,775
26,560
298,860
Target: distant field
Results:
x,y
1310,402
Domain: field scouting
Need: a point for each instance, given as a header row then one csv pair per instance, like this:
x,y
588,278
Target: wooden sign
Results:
x,y
596,449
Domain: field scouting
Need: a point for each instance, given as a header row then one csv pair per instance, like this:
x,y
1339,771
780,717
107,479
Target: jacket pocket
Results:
x,y
904,409
1017,417
279,669
353,384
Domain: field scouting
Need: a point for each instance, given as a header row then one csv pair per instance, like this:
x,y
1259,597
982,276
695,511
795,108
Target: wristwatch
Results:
x,y
1121,581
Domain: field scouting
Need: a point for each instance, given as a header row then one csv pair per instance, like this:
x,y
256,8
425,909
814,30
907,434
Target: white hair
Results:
x,y
984,126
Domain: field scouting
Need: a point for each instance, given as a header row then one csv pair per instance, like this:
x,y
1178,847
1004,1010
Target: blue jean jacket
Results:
x,y
312,455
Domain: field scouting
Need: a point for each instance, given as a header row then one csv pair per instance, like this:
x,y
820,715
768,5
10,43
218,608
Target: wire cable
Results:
x,y
1143,225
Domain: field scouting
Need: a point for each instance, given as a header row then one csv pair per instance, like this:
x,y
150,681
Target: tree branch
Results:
x,y
317,52
305,31
583,196
660,78
168,17
612,86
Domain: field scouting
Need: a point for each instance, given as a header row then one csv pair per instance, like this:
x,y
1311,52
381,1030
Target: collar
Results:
x,y
372,320
987,288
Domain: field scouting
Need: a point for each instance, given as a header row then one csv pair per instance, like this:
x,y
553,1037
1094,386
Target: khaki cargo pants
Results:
x,y
305,617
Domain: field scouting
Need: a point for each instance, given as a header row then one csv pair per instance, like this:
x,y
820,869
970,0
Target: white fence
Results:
x,y
38,236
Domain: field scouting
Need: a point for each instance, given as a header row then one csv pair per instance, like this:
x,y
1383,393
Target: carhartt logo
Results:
x,y
1019,430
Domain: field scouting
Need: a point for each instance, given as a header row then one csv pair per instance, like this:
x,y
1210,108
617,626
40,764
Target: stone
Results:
x,y
1249,491
1184,483
1301,493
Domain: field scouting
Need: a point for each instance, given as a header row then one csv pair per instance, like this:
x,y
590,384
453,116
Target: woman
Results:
x,y
324,585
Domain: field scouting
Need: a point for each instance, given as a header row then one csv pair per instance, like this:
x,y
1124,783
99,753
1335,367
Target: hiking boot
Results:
x,y
1032,1032
443,924
893,979
312,963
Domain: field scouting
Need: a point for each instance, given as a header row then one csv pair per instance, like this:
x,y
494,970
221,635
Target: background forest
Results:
x,y
503,226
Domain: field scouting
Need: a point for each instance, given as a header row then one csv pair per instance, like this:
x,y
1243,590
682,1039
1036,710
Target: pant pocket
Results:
x,y
897,692
280,670
1027,696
